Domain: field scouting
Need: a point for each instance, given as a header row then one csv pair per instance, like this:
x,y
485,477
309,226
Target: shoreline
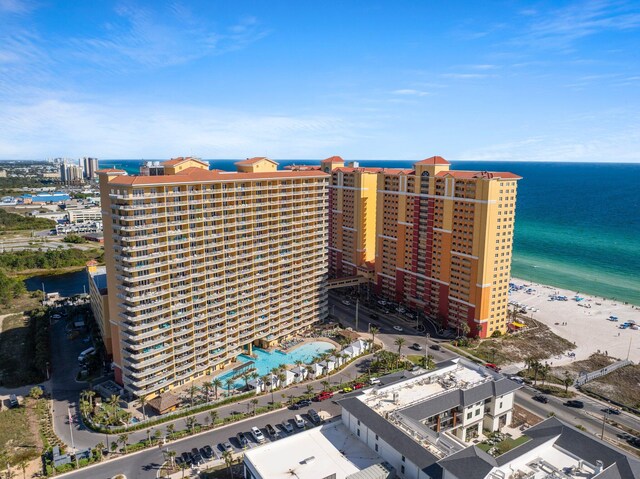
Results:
x,y
585,322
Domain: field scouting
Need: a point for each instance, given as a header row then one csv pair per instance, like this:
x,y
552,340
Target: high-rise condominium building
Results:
x,y
202,265
90,166
443,238
70,173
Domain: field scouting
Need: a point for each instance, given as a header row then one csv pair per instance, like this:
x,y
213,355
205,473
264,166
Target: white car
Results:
x,y
299,421
257,435
346,303
398,328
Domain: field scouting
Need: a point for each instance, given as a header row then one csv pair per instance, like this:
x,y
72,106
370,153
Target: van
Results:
x,y
374,381
13,401
85,353
299,421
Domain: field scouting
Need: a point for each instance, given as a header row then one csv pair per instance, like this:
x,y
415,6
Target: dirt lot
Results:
x,y
593,363
536,342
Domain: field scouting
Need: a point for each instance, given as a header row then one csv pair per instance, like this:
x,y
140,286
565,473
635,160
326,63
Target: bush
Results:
x,y
496,334
75,239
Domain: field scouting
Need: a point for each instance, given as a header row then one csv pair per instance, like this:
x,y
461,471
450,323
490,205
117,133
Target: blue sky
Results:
x,y
491,80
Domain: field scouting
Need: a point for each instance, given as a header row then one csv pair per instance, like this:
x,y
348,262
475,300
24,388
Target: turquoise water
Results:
x,y
577,224
266,361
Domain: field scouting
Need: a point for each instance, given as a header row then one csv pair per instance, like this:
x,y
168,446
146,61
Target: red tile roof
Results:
x,y
182,159
252,161
110,170
388,171
434,160
333,159
198,175
504,175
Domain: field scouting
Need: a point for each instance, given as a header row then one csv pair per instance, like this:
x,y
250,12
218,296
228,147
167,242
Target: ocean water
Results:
x,y
577,224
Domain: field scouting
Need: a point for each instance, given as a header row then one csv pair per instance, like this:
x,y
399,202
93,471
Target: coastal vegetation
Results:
x,y
10,289
24,348
33,260
74,239
15,222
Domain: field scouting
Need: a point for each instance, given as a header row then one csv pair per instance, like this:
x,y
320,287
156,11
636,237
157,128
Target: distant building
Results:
x,y
79,215
90,166
43,198
3,173
152,168
71,174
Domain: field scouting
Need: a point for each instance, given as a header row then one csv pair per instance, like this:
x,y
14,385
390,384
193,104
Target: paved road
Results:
x,y
145,464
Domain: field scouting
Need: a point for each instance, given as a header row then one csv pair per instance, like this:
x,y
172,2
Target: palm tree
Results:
x,y
171,455
170,428
399,342
266,380
228,460
536,369
183,467
122,439
465,329
246,376
254,403
217,383
207,389
191,423
282,377
309,389
99,448
142,401
193,390
229,383
255,375
85,408
214,416
544,370
325,384
90,394
567,381
374,330
114,446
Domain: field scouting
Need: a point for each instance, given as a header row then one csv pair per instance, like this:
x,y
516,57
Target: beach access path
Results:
x,y
583,322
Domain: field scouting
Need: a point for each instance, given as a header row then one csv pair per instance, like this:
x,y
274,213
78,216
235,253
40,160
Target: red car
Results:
x,y
493,366
358,385
324,395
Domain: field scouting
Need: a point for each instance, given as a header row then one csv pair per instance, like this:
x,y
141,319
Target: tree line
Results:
x,y
51,259
15,222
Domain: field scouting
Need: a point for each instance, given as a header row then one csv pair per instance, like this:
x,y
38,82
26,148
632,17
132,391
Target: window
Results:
x,y
358,432
469,415
402,468
376,448
477,412
358,422
376,437
403,459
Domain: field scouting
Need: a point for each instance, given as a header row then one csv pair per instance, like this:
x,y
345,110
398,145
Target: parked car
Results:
x,y
295,406
299,421
206,452
346,302
271,431
178,460
324,395
611,410
417,347
286,425
358,385
574,403
242,439
347,389
398,328
257,435
225,446
304,403
186,457
196,457
13,401
314,416
435,347
493,366
374,381
540,398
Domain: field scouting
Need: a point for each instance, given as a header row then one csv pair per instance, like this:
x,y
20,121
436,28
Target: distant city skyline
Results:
x,y
532,81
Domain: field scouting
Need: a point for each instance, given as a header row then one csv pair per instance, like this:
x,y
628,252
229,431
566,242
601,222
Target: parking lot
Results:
x,y
252,434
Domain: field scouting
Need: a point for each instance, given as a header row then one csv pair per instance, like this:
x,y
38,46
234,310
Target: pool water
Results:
x,y
266,361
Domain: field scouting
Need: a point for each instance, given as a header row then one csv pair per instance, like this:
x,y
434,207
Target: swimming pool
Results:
x,y
266,361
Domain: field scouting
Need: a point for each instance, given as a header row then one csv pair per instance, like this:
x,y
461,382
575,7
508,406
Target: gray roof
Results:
x,y
470,463
402,443
459,397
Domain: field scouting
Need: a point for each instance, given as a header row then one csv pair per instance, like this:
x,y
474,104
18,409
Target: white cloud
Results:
x,y
411,92
58,128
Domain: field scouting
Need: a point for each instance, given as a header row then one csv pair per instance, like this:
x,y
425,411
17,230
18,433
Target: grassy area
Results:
x,y
17,433
504,445
23,349
620,386
537,342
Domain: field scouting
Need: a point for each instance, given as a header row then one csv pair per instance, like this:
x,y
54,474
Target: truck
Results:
x,y
83,355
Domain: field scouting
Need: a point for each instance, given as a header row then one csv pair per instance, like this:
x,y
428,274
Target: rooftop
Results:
x,y
316,453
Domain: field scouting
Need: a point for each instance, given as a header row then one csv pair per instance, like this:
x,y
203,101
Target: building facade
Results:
x,y
99,299
443,238
70,173
202,265
89,166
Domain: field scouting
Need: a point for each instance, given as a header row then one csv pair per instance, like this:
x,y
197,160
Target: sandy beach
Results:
x,y
584,322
